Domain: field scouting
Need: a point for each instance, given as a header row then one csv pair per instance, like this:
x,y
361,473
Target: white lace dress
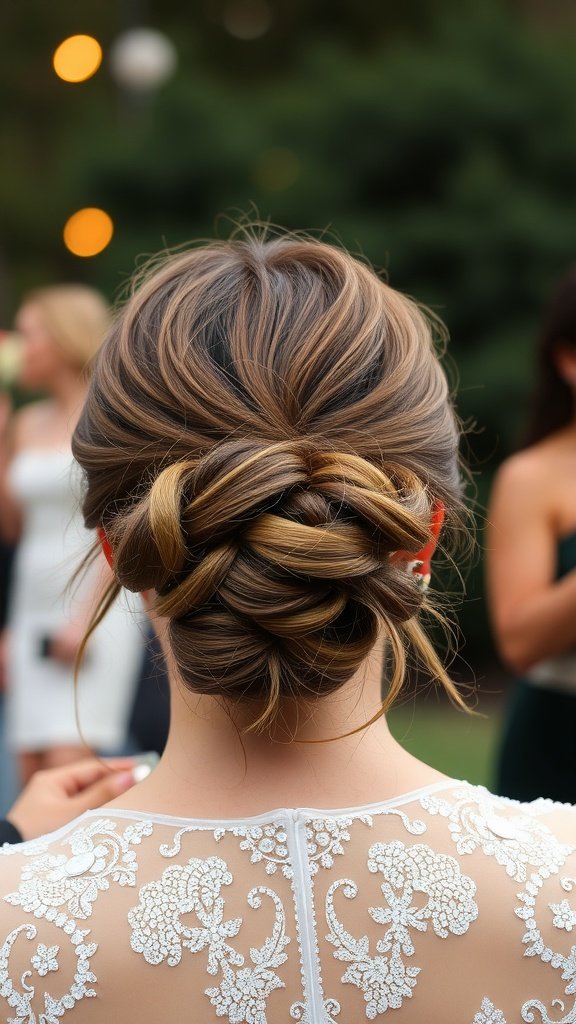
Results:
x,y
444,906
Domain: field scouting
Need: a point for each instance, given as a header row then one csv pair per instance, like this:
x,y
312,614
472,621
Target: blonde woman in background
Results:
x,y
60,330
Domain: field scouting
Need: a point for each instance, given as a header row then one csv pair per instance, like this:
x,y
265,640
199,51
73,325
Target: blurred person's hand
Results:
x,y
57,795
65,644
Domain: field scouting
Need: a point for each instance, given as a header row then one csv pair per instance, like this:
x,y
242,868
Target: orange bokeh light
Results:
x,y
87,232
77,58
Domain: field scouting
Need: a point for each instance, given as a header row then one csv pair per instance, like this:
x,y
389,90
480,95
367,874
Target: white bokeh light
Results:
x,y
142,59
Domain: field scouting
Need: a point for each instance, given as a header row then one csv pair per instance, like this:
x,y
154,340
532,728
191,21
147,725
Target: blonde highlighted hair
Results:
x,y
267,423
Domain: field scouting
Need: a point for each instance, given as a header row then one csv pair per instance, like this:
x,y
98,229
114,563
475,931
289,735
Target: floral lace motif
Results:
x,y
53,881
160,935
99,854
42,961
564,914
535,946
450,908
488,1014
325,838
517,843
265,843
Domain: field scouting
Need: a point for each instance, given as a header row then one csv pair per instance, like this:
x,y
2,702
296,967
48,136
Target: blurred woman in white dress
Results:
x,y
60,329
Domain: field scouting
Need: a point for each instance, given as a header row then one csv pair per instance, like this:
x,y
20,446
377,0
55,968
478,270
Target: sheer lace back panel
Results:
x,y
448,906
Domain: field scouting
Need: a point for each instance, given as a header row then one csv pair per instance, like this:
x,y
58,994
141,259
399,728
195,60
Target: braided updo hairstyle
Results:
x,y
267,423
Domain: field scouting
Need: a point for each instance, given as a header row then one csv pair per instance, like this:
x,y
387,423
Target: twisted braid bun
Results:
x,y
233,444
274,555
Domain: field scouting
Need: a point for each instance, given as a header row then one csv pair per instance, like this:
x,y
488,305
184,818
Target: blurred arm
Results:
x,y
534,617
10,514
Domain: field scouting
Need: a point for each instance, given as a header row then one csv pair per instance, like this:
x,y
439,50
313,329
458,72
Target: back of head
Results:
x,y
267,423
76,318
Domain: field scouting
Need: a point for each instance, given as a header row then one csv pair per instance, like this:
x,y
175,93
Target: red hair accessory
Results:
x,y
105,543
420,567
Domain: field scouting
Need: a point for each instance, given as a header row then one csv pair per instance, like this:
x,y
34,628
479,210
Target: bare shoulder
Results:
x,y
559,818
29,423
540,480
524,470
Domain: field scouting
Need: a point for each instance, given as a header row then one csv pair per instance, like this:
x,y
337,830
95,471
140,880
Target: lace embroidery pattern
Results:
x,y
267,843
416,827
316,835
99,854
325,839
564,914
299,1012
450,908
535,946
519,844
516,843
183,910
51,882
488,1014
160,935
27,848
42,961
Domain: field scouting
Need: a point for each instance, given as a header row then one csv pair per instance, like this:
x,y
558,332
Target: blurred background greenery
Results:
x,y
436,137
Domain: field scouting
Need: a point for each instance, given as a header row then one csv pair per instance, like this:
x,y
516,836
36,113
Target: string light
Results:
x,y
87,232
77,58
142,59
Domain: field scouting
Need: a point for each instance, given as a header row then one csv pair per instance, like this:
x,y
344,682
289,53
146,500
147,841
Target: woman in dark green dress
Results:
x,y
532,573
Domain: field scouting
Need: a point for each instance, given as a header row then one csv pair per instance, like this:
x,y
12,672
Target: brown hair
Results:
x,y
552,404
76,318
267,423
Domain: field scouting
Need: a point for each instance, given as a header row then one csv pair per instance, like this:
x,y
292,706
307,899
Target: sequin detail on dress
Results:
x,y
488,1014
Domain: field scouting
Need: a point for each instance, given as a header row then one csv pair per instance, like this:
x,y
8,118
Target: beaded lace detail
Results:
x,y
311,916
449,907
488,1014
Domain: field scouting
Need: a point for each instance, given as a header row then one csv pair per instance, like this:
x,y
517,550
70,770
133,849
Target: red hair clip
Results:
x,y
105,544
421,567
